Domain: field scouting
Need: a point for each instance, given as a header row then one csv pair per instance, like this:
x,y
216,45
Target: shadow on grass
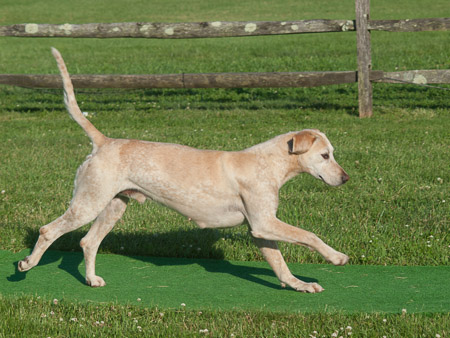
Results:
x,y
212,261
70,262
243,271
339,98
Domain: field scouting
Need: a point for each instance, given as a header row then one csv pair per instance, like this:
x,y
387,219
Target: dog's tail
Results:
x,y
97,138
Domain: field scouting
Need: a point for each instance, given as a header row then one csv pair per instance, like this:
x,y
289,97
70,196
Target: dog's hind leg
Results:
x,y
101,227
83,209
272,254
50,233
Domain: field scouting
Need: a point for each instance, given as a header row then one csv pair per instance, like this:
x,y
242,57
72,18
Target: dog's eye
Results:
x,y
326,156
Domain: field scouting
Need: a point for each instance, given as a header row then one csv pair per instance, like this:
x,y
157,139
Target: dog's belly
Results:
x,y
205,212
208,209
215,219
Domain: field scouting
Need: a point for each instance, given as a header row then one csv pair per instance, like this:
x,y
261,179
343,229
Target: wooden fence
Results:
x,y
362,25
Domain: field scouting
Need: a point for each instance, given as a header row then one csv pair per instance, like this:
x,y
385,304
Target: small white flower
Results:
x,y
204,331
348,328
403,311
384,320
438,335
73,319
55,301
3,191
85,113
139,299
183,305
43,315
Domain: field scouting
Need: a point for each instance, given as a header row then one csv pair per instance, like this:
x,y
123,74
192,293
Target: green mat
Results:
x,y
213,284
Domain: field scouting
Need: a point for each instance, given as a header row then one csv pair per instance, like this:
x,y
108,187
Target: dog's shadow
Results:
x,y
211,257
70,262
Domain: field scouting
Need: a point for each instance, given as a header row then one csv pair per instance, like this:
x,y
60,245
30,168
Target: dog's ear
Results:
x,y
301,142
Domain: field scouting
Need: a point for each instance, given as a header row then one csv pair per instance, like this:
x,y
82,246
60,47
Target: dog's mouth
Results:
x,y
320,176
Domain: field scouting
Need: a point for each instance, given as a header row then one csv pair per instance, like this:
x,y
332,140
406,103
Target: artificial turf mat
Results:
x,y
214,284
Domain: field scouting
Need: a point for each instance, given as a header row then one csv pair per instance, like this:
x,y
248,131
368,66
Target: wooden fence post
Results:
x,y
364,58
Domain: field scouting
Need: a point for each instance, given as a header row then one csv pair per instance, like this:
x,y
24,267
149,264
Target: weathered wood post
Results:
x,y
364,58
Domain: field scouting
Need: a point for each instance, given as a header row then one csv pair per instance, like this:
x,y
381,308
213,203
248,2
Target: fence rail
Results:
x,y
365,76
225,80
212,80
217,29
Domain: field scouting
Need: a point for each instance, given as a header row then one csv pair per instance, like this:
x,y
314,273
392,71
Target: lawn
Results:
x,y
393,211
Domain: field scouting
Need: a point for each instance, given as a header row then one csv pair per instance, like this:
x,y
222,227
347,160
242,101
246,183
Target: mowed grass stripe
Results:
x,y
224,285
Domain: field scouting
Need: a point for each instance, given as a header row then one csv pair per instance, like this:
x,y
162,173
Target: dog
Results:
x,y
215,189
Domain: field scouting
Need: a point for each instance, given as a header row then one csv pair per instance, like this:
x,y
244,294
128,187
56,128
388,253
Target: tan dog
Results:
x,y
213,188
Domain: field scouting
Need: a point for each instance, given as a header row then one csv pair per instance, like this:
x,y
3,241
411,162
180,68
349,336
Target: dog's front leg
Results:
x,y
272,254
261,213
276,230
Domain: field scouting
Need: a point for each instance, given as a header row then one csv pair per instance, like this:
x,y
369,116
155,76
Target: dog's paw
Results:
x,y
338,258
23,266
95,282
310,288
301,286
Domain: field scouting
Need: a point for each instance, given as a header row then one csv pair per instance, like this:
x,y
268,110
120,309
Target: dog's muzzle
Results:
x,y
345,178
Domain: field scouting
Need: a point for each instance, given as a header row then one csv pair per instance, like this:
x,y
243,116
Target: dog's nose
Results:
x,y
345,178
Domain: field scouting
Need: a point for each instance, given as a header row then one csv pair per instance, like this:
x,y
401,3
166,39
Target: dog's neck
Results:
x,y
276,151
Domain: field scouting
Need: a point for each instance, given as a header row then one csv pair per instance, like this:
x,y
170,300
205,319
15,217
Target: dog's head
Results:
x,y
315,156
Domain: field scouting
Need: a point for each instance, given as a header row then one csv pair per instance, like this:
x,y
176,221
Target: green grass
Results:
x,y
45,318
393,211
